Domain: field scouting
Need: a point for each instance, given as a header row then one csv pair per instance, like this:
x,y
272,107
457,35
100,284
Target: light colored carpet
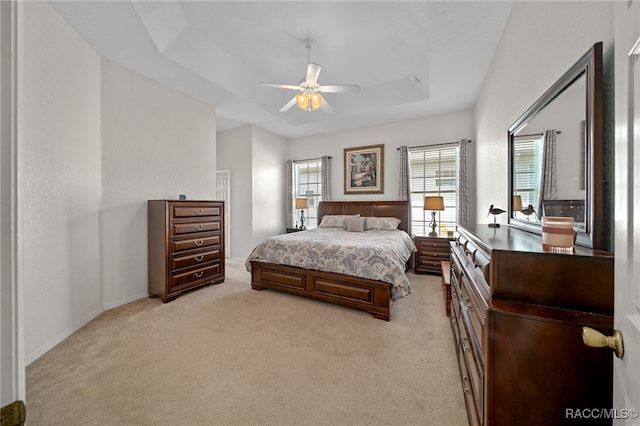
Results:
x,y
229,355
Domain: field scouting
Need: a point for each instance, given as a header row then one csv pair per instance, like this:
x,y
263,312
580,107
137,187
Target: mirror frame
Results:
x,y
590,65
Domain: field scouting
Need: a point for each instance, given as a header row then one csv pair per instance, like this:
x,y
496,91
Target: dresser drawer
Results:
x,y
189,227
195,275
441,253
469,398
455,315
474,369
195,210
431,264
197,257
475,314
432,244
194,243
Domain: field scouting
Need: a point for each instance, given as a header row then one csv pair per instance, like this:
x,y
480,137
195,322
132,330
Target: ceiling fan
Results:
x,y
310,91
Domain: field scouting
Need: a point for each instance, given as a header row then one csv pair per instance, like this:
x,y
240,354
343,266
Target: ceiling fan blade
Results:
x,y
343,88
280,86
313,71
289,104
326,107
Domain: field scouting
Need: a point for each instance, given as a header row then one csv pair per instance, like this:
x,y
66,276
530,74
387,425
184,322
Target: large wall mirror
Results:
x,y
555,154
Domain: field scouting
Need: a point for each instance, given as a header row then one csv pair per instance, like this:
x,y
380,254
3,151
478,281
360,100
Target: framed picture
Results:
x,y
364,170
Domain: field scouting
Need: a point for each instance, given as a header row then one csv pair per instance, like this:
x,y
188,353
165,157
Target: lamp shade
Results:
x,y
301,203
517,203
433,203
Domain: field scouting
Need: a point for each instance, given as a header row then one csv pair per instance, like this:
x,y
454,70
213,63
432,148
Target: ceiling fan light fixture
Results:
x,y
309,97
302,101
316,101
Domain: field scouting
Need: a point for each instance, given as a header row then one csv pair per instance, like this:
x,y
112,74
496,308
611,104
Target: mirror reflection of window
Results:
x,y
527,156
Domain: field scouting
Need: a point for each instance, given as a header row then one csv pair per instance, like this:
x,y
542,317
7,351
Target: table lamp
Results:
x,y
302,203
433,204
517,204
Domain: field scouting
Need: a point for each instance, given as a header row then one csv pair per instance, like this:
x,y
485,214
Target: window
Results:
x,y
433,172
527,153
308,184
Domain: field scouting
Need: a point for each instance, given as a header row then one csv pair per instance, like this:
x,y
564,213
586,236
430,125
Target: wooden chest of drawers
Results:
x,y
517,314
185,246
429,252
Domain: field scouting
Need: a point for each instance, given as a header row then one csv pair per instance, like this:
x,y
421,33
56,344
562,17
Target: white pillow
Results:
x,y
381,223
336,220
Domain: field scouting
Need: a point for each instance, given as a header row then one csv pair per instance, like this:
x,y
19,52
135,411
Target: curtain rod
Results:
x,y
436,144
310,159
530,135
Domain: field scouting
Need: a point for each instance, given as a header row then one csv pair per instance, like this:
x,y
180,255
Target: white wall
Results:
x,y
96,142
256,158
234,153
443,128
540,42
157,143
269,156
59,186
565,114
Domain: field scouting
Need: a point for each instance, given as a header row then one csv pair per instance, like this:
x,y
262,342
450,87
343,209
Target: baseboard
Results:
x,y
125,301
77,326
60,337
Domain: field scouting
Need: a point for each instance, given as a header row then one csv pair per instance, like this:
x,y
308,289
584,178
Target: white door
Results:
x,y
626,371
223,193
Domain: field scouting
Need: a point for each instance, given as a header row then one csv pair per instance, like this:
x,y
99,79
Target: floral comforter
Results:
x,y
377,255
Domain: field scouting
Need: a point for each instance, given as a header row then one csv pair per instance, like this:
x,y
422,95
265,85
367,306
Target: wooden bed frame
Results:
x,y
360,293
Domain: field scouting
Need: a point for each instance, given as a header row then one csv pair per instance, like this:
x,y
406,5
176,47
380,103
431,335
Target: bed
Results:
x,y
332,274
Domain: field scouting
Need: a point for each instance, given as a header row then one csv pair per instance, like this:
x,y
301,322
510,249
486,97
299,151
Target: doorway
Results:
x,y
223,193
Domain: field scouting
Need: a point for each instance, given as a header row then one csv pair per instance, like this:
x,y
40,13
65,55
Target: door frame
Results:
x,y
12,366
626,371
227,213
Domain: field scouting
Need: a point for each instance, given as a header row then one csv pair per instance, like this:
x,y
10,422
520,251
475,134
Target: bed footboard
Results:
x,y
360,293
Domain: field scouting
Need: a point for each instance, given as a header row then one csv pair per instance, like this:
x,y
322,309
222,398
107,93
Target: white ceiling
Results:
x,y
411,59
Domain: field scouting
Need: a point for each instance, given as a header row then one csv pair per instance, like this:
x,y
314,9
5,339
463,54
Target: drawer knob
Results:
x,y
199,227
198,258
198,211
198,274
199,242
466,388
465,344
595,339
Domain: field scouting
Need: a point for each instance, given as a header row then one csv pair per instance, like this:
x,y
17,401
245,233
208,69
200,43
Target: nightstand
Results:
x,y
430,251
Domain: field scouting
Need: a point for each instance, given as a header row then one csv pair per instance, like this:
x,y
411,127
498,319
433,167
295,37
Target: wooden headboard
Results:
x,y
398,209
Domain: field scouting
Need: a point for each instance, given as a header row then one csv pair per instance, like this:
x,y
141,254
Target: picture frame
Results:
x,y
364,170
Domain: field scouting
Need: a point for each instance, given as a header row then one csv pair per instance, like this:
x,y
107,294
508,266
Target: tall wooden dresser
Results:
x,y
185,246
517,318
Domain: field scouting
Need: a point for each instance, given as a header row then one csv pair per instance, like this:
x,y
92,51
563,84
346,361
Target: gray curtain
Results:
x,y
325,177
463,182
290,194
548,176
403,193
